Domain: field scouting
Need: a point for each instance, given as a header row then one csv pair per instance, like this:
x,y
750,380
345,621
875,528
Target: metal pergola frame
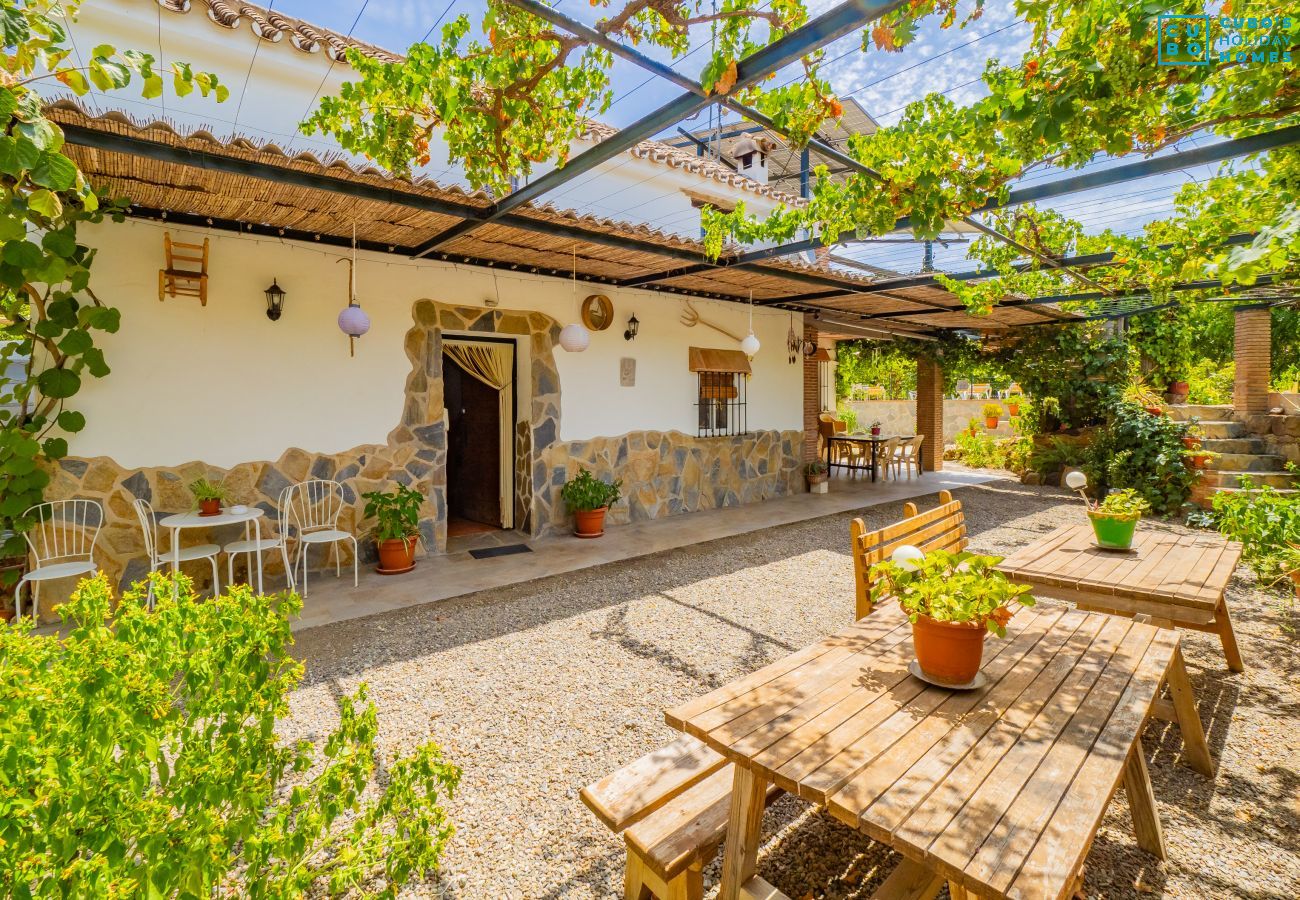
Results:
x,y
836,23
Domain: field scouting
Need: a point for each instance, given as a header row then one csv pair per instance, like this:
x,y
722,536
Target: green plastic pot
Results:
x,y
1113,534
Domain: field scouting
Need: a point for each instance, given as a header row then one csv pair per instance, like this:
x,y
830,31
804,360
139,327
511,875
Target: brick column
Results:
x,y
811,400
1251,349
929,413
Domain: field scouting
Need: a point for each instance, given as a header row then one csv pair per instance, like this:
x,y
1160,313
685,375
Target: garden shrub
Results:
x,y
981,450
141,760
1210,383
1076,374
1137,450
1266,521
1056,453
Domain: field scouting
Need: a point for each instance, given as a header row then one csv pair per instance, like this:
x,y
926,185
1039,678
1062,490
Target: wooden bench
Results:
x,y
941,528
671,807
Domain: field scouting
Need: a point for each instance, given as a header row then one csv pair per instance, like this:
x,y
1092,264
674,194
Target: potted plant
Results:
x,y
816,474
1115,519
875,429
992,412
1177,391
973,426
1194,457
953,600
397,526
589,498
209,495
1013,404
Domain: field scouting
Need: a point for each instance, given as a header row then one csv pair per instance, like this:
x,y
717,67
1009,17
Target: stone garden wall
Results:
x,y
665,473
899,416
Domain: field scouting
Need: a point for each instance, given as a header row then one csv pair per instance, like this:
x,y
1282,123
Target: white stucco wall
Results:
x,y
225,385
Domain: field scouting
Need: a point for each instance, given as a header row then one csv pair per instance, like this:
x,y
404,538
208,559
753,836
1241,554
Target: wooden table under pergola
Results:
x,y
1176,579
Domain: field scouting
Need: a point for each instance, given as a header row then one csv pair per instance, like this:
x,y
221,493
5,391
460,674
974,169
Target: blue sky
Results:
x,y
949,61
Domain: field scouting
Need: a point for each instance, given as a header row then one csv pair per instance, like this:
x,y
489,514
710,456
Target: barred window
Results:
x,y
721,406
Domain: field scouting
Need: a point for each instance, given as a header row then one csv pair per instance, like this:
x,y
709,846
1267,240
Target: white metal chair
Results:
x,y
309,514
962,389
983,390
62,542
158,559
909,455
256,546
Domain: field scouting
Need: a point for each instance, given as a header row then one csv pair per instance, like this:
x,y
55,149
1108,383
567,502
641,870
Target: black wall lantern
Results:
x,y
633,326
274,301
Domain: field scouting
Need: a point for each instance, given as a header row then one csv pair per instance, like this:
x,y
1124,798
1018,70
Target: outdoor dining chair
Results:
x,y
909,455
962,389
828,426
62,542
259,546
887,455
158,559
983,390
309,514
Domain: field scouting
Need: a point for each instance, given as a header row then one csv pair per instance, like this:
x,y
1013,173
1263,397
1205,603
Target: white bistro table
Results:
x,y
251,519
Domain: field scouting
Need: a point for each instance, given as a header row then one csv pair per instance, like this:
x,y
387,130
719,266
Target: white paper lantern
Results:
x,y
749,346
353,321
1076,480
575,337
907,557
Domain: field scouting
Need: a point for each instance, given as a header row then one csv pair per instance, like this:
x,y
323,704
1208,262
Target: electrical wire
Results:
x,y
249,74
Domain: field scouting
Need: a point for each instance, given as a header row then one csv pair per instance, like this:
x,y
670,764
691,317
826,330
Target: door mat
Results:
x,y
489,552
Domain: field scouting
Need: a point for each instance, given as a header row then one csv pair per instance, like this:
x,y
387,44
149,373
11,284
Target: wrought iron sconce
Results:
x,y
274,301
633,326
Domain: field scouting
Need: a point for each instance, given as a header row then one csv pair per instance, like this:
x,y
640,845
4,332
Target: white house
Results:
x,y
214,386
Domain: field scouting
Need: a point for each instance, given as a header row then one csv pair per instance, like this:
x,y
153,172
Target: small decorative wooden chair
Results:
x,y
941,528
174,281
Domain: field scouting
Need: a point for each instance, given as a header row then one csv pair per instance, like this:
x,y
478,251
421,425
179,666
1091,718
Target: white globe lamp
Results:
x,y
907,557
1076,480
575,337
750,345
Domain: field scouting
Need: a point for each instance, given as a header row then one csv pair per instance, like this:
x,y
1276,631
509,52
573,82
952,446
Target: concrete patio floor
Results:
x,y
455,574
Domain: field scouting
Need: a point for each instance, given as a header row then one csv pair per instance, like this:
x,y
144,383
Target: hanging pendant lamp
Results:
x,y
750,345
575,337
353,320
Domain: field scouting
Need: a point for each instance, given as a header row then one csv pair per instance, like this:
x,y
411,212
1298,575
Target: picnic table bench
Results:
x,y
999,790
1177,579
671,808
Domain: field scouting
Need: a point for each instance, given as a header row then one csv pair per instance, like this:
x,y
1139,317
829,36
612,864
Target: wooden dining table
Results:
x,y
998,790
1176,578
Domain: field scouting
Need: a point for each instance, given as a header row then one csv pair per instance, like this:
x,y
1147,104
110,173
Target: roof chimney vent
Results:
x,y
751,158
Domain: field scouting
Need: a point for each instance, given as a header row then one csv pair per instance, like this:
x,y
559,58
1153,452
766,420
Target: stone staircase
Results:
x,y
1239,454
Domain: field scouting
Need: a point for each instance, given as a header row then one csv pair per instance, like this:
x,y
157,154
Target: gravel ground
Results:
x,y
540,689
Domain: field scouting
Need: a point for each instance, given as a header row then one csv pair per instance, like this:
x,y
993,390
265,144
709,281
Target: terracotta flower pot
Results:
x,y
948,652
210,507
396,555
1295,579
1154,410
590,523
991,422
1013,409
875,431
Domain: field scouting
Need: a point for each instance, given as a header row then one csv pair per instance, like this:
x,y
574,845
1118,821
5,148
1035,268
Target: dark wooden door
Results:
x,y
473,446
